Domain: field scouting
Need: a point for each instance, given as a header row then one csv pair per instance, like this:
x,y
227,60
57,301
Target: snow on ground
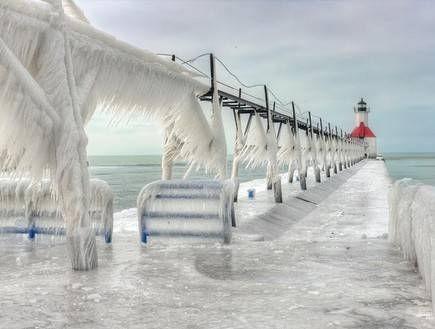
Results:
x,y
333,269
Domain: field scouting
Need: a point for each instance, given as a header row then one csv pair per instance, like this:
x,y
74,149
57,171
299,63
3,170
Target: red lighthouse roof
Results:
x,y
362,131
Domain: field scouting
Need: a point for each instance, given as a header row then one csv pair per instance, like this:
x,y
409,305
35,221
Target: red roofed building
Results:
x,y
362,130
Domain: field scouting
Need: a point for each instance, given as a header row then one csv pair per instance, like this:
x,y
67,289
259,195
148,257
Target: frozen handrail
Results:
x,y
191,210
32,209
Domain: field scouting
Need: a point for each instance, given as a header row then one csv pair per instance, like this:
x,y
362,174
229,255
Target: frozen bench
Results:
x,y
34,209
195,211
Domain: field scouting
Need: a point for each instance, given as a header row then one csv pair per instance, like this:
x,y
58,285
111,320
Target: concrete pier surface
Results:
x,y
330,266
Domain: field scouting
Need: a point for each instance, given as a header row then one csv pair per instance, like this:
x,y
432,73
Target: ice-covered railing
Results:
x,y
27,208
412,226
186,211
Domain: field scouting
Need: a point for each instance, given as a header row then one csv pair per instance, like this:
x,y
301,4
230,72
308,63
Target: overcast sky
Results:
x,y
323,55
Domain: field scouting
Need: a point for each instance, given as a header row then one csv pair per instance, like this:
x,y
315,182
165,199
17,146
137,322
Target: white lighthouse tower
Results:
x,y
362,130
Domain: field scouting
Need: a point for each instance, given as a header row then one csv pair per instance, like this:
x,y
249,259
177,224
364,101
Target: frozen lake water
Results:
x,y
332,269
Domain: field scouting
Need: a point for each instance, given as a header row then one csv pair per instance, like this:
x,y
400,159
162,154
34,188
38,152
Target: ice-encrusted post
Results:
x,y
326,150
313,151
334,150
238,148
339,149
218,147
72,173
170,149
352,151
170,152
288,152
273,177
344,150
298,147
349,164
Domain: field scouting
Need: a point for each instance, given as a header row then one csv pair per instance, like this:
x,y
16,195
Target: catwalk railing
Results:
x,y
320,145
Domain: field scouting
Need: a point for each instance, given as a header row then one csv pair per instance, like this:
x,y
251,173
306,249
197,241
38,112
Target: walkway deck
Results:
x,y
332,269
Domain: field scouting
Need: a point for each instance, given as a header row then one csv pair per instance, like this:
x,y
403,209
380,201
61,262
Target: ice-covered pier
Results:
x,y
56,70
331,268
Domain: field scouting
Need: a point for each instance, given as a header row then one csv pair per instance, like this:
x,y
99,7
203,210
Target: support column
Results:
x,y
291,171
298,149
170,152
269,177
238,148
273,175
72,175
313,151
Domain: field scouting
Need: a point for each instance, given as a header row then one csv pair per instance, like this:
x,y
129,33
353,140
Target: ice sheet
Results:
x,y
334,269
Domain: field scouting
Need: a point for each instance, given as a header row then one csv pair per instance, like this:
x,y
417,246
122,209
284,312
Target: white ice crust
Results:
x,y
180,209
20,198
412,226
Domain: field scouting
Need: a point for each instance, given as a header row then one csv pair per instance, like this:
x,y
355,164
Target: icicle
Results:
x,y
72,10
170,153
255,150
238,158
218,148
272,149
321,151
285,151
314,157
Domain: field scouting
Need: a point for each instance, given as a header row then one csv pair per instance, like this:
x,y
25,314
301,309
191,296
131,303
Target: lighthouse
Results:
x,y
362,130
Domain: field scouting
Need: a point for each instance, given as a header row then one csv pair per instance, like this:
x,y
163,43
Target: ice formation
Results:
x,y
23,204
412,226
335,154
189,136
55,70
290,152
260,149
309,155
255,149
72,10
321,150
238,153
186,210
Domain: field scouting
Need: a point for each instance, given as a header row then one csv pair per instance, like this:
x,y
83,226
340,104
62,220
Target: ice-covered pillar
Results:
x,y
340,152
170,152
347,152
324,147
71,174
333,146
291,170
238,148
270,170
292,150
235,176
269,177
218,147
343,150
335,152
298,149
328,156
272,151
313,151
